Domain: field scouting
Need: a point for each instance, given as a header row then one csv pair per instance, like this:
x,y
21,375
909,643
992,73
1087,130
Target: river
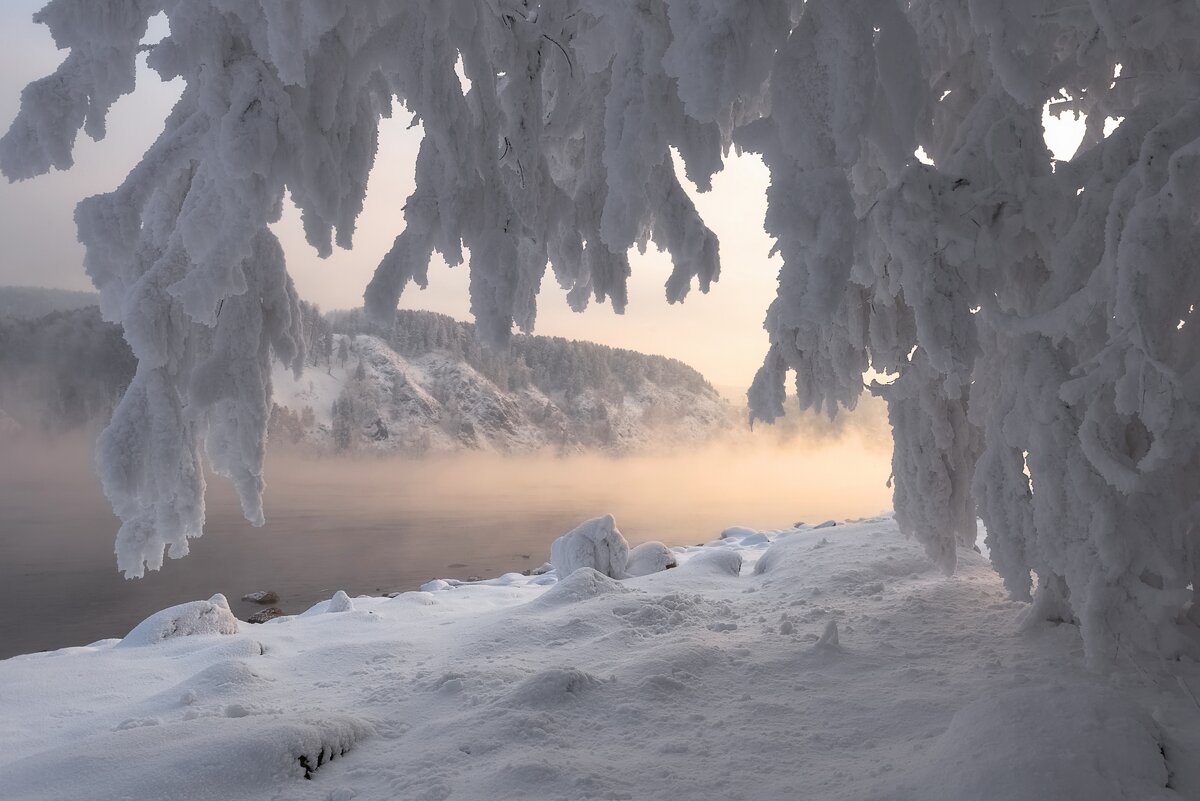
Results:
x,y
370,526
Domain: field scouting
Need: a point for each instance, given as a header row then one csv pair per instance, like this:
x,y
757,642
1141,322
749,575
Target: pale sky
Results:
x,y
720,333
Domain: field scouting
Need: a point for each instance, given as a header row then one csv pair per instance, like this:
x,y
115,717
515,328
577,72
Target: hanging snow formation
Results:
x,y
1034,318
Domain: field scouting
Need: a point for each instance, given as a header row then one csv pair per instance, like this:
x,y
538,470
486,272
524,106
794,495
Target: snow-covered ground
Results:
x,y
814,663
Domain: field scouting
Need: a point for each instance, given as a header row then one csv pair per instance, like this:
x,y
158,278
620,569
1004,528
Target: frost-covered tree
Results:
x,y
1032,319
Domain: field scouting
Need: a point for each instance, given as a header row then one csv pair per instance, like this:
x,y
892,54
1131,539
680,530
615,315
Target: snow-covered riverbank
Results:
x,y
830,663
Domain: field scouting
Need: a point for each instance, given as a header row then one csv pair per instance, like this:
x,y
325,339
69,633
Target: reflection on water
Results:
x,y
373,526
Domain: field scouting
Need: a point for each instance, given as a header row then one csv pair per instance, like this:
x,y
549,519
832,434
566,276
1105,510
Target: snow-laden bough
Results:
x,y
1031,320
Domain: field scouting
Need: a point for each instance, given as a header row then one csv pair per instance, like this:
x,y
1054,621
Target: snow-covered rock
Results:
x,y
595,543
264,615
744,536
649,557
714,562
185,620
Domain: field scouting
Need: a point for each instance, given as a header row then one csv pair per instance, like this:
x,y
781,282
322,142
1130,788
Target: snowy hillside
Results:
x,y
818,663
447,392
62,370
427,386
31,302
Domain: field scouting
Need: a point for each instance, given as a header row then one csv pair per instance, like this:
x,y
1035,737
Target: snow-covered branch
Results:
x,y
1035,316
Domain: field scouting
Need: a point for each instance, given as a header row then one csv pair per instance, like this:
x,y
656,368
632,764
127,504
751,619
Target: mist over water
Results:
x,y
374,525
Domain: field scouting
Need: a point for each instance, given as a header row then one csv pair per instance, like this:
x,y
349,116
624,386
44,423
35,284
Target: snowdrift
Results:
x,y
833,664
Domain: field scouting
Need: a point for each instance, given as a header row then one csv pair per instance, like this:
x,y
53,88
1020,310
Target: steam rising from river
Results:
x,y
370,525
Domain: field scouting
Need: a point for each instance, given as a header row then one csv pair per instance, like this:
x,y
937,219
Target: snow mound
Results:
x,y
595,543
340,602
649,557
714,562
581,585
553,687
1061,742
185,620
231,677
745,537
778,553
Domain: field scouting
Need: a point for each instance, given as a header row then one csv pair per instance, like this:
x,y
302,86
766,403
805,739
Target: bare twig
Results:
x,y
570,66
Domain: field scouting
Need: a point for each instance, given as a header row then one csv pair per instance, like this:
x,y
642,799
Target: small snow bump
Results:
x,y
553,687
723,562
340,602
581,585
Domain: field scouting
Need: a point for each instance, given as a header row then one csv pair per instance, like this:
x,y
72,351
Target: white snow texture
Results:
x,y
1033,320
849,669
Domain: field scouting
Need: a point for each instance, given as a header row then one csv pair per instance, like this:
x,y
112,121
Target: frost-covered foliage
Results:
x,y
427,383
1035,318
552,364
